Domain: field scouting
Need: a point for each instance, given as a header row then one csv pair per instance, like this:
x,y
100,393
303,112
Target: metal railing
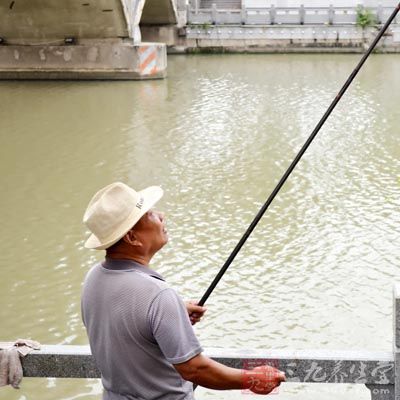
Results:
x,y
379,371
281,16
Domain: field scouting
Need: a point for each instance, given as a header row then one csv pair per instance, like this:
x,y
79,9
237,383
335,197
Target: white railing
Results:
x,y
281,16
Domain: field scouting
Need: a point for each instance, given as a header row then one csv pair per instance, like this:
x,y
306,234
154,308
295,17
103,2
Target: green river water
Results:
x,y
217,135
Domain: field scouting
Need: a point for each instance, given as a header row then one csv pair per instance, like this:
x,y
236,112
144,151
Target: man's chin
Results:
x,y
165,240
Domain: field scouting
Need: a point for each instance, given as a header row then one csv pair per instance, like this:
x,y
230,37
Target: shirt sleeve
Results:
x,y
171,327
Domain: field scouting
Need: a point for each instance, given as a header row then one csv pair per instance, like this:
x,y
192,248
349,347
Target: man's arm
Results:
x,y
205,372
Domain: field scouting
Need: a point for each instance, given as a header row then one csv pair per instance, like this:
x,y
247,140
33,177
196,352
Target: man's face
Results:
x,y
151,230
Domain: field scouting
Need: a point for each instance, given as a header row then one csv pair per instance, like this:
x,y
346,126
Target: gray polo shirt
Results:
x,y
137,327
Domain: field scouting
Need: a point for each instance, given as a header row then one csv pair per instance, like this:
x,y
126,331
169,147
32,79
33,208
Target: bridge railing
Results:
x,y
378,371
373,369
281,16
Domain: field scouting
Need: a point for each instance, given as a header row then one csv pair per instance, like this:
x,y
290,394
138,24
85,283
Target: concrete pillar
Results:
x,y
89,60
381,392
380,14
396,344
243,14
272,13
182,12
331,14
181,4
302,13
134,19
44,39
391,392
214,14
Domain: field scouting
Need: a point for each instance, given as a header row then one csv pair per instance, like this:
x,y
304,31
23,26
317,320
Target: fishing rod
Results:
x,y
295,161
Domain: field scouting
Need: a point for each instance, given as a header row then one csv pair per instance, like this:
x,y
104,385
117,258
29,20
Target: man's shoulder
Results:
x,y
150,281
92,271
146,283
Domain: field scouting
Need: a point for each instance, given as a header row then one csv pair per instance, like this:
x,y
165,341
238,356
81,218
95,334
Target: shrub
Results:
x,y
365,17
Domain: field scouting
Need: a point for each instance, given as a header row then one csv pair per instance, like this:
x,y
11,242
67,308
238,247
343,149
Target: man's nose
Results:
x,y
161,215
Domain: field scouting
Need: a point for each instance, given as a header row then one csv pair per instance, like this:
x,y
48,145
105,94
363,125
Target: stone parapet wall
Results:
x,y
272,38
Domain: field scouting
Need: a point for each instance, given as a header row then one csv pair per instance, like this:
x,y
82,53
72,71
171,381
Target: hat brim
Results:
x,y
151,196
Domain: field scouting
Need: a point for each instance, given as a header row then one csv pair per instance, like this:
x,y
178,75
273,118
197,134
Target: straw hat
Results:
x,y
114,210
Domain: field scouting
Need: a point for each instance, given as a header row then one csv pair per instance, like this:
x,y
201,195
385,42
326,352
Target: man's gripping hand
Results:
x,y
263,379
195,312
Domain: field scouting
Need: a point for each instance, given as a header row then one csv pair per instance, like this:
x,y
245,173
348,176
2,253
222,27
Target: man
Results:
x,y
139,330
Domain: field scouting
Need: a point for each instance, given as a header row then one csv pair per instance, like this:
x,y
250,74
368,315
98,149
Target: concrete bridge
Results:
x,y
93,39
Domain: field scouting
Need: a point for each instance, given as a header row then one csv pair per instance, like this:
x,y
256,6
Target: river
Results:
x,y
217,135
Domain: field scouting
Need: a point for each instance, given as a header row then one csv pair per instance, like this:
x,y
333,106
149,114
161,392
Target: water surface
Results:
x,y
216,135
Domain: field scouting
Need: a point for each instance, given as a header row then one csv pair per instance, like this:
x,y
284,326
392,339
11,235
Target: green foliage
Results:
x,y
365,17
205,26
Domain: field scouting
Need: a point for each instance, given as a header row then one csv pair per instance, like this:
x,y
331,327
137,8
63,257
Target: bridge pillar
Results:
x,y
84,61
66,39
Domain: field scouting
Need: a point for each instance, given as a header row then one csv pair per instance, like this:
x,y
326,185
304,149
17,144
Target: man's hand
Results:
x,y
195,312
263,379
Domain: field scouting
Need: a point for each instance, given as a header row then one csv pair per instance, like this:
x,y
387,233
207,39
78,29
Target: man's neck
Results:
x,y
140,259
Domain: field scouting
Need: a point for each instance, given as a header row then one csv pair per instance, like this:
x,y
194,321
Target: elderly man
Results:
x,y
140,331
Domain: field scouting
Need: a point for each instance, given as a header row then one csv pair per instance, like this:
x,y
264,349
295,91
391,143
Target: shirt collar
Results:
x,y
126,265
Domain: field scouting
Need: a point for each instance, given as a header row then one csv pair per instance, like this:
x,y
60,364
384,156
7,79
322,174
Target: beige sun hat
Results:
x,y
114,210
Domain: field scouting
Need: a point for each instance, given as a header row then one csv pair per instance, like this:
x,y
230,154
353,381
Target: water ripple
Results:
x,y
218,135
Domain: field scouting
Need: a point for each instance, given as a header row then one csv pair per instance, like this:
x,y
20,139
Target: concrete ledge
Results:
x,y
77,74
273,39
396,316
95,61
254,47
60,362
371,368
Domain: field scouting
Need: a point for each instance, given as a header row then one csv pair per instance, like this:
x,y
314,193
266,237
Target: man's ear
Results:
x,y
132,239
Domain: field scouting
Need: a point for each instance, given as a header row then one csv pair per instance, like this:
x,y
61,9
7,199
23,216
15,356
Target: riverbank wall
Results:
x,y
231,26
208,38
